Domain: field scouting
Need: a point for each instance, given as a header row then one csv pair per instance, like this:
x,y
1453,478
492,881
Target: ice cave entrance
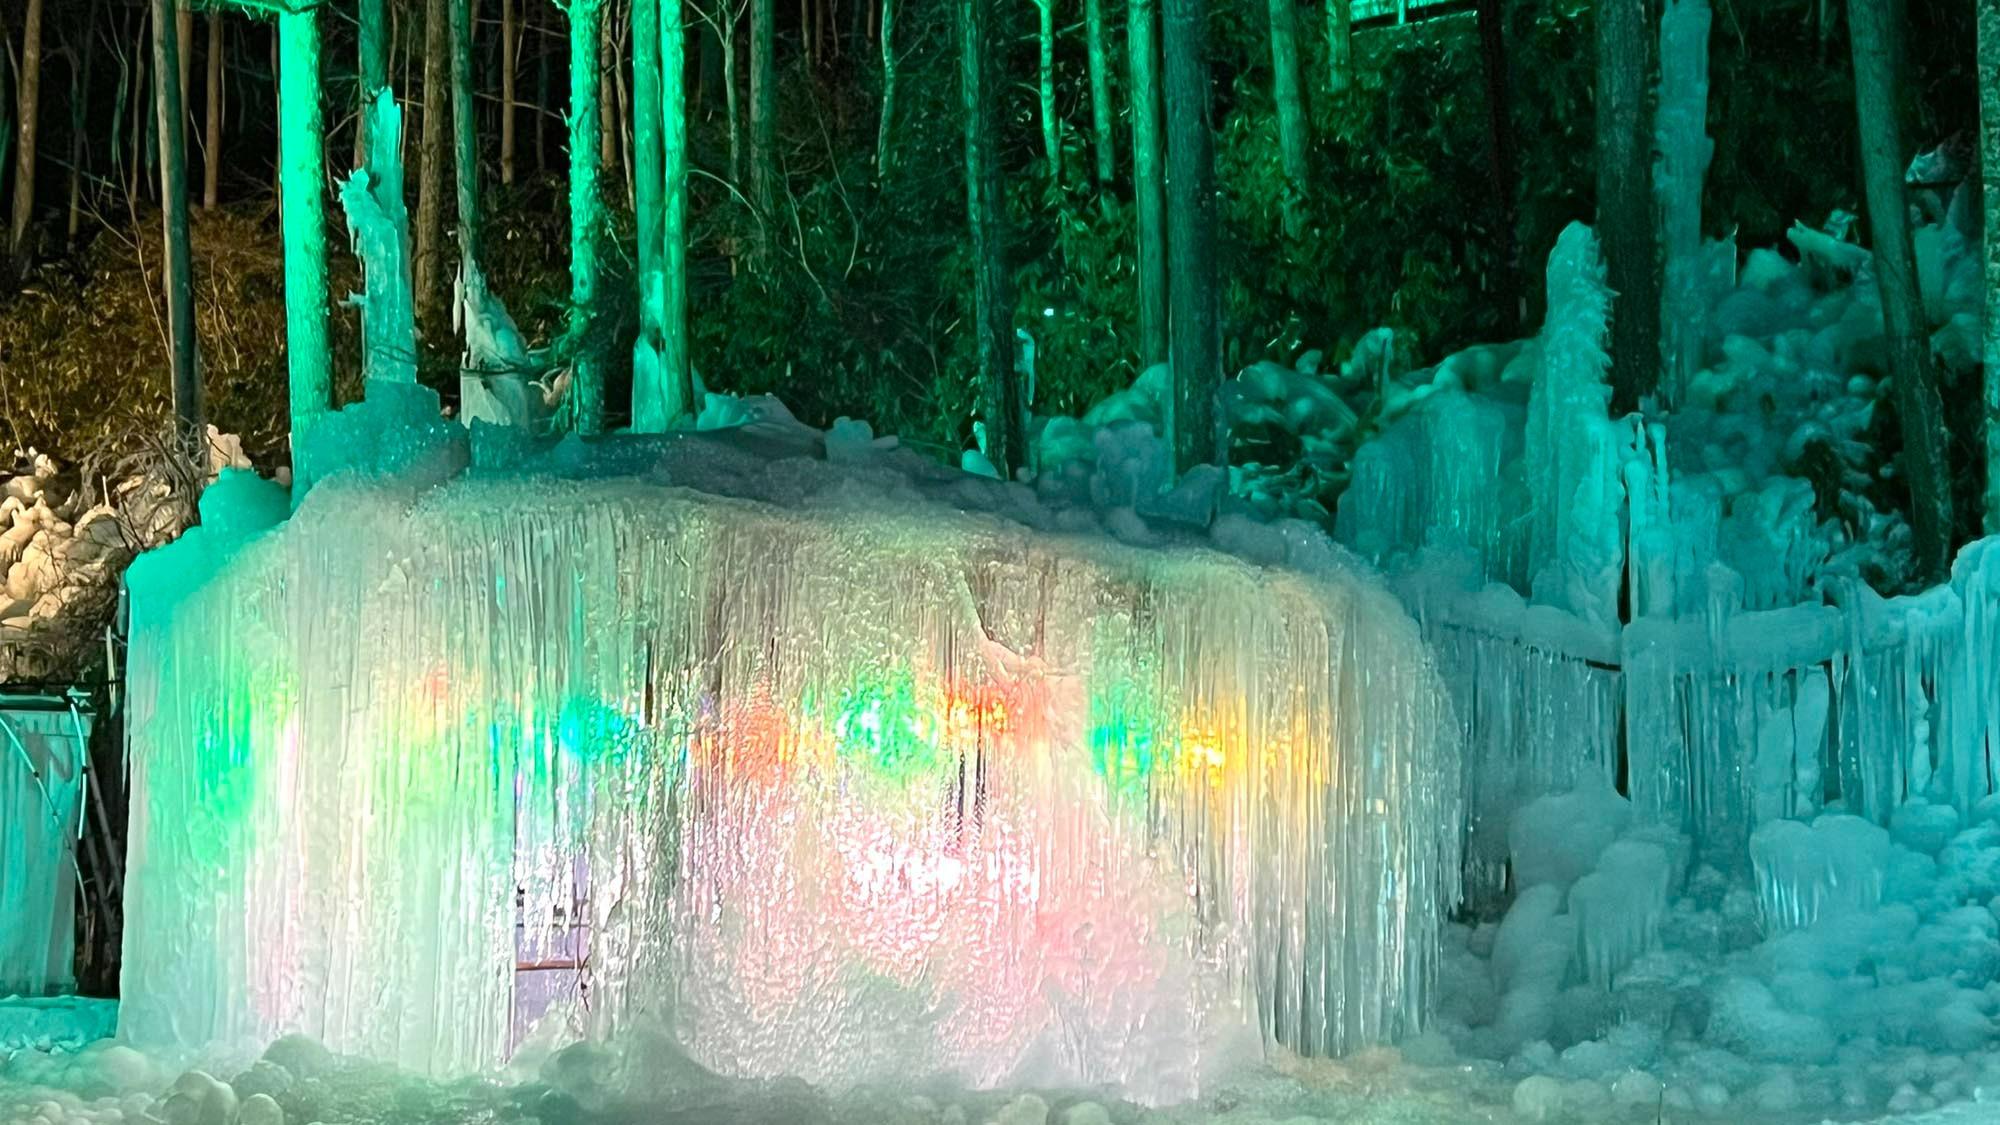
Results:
x,y
838,771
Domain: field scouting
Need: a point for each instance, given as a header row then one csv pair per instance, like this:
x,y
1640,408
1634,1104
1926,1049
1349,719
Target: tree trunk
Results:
x,y
1101,111
662,388
19,247
763,108
1195,343
1290,103
431,161
1148,187
302,174
1500,154
1045,84
1882,161
371,48
1625,201
510,52
465,134
78,119
1339,45
586,217
732,13
211,149
177,276
1989,152
541,112
884,154
184,28
607,97
1684,150
1001,408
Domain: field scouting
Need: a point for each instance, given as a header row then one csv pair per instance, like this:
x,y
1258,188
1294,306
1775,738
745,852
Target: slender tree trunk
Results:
x,y
510,51
732,13
586,217
302,175
884,153
805,31
431,160
662,385
649,171
1045,84
211,149
1195,336
541,112
1500,152
676,363
623,132
1290,102
1148,185
78,119
1989,152
1339,45
1882,161
607,94
177,277
184,27
1001,407
1101,110
763,108
372,50
28,99
465,135
1681,113
1625,201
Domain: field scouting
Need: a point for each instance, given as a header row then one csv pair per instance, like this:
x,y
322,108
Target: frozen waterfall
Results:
x,y
807,767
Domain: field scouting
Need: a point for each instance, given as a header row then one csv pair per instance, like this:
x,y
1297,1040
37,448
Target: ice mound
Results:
x,y
842,771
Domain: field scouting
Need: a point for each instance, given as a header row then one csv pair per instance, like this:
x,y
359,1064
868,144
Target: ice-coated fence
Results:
x,y
44,743
1719,723
836,791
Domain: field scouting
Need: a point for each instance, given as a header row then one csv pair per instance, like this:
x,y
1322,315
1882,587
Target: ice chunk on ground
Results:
x,y
1619,906
1839,863
1557,839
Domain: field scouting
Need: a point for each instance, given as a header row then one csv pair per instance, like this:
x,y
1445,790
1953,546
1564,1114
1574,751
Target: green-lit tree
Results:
x,y
1339,45
1101,109
1148,183
588,354
1195,337
1045,85
1290,101
1989,151
763,107
662,388
884,149
1872,35
1001,408
1625,206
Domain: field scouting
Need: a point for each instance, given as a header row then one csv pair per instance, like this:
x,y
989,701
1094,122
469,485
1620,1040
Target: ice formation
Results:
x,y
811,765
44,752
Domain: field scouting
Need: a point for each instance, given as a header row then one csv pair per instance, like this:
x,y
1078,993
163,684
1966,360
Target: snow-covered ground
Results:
x,y
299,1082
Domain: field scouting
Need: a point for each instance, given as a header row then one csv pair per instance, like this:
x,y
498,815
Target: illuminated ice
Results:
x,y
816,768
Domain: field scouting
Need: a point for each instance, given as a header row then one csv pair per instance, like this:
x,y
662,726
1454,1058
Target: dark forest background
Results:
x,y
1429,211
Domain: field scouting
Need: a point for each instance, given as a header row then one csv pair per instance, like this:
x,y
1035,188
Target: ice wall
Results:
x,y
837,782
